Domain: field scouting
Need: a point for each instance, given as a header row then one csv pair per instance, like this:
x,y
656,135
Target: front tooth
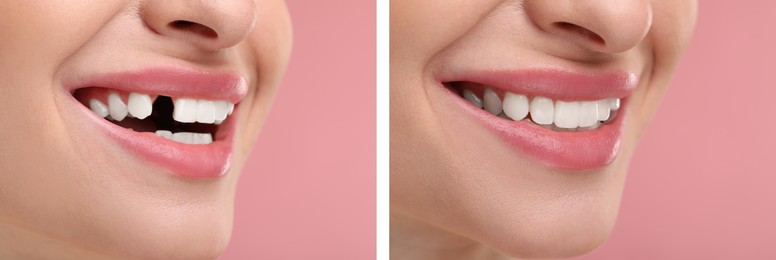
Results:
x,y
614,103
118,110
592,127
542,110
492,102
566,114
98,107
185,110
603,109
203,139
205,112
221,109
139,105
190,138
515,106
164,133
183,137
468,95
231,108
588,113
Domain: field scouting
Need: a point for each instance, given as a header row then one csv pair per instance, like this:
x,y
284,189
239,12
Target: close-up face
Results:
x,y
127,123
513,122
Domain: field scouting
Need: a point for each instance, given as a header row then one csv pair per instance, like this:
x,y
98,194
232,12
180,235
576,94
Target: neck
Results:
x,y
412,238
17,242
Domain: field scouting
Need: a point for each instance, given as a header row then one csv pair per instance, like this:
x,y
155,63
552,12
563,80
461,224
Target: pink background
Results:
x,y
309,189
703,181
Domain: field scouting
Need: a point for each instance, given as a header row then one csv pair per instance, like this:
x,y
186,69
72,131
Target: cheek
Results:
x,y
420,29
45,33
271,34
672,26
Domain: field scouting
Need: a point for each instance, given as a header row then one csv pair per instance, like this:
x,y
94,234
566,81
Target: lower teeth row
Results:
x,y
186,137
556,115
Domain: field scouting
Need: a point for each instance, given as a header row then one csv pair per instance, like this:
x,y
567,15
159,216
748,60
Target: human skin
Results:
x,y
458,190
68,190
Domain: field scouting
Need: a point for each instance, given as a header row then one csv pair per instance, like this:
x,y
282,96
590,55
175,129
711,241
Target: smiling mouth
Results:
x,y
556,115
566,119
180,119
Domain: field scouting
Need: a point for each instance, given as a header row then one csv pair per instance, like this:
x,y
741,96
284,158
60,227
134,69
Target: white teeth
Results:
x,y
515,106
139,105
468,95
603,109
203,139
614,103
183,137
118,110
555,115
492,102
98,107
164,133
189,138
220,109
189,110
588,113
205,112
185,110
566,114
542,110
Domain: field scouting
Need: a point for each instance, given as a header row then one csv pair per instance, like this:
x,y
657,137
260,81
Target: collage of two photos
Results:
x,y
388,129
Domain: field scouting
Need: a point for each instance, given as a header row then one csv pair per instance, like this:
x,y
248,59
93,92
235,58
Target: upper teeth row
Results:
x,y
186,110
545,111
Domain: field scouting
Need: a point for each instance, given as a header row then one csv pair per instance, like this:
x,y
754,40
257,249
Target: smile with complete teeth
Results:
x,y
183,120
555,115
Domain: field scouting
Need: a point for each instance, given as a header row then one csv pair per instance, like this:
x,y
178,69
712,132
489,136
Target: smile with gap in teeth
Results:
x,y
555,115
184,120
177,118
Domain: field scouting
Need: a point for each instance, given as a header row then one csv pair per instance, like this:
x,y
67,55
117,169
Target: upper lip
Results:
x,y
558,84
170,81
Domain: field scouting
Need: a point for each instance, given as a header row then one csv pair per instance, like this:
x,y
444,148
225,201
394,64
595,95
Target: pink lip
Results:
x,y
173,82
579,150
186,160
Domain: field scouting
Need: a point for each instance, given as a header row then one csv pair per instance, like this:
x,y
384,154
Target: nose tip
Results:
x,y
209,25
611,26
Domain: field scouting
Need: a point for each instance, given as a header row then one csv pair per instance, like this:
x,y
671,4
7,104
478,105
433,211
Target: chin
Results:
x,y
178,232
534,212
563,215
557,233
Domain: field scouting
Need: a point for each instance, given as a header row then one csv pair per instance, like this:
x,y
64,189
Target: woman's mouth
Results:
x,y
179,119
184,120
567,120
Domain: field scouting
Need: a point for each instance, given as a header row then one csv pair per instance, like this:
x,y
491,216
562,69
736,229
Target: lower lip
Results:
x,y
185,160
580,150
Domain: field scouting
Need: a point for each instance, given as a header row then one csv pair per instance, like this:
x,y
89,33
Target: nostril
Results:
x,y
194,28
579,30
